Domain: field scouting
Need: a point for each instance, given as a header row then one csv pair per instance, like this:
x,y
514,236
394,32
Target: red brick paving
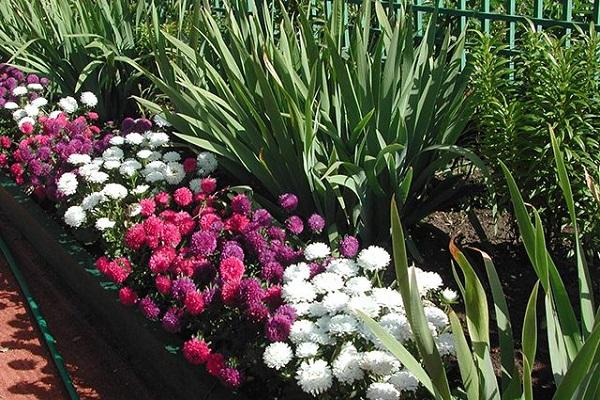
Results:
x,y
98,369
26,371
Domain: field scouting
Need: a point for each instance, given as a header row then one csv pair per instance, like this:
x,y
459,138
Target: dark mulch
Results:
x,y
478,229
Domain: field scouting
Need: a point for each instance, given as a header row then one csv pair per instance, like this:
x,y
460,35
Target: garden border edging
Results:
x,y
144,341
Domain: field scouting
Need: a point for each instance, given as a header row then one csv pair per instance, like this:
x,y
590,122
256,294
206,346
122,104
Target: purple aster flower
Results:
x,y
287,311
262,217
272,272
32,78
208,295
315,269
232,249
142,125
278,328
251,291
181,287
171,321
349,246
294,224
276,233
149,308
43,153
316,223
257,312
241,204
287,255
288,201
231,377
203,243
254,240
127,125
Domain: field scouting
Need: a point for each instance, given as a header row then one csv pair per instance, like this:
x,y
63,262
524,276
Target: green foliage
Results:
x,y
81,44
344,119
574,344
553,86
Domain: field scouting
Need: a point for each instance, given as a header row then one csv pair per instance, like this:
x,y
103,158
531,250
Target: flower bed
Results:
x,y
244,296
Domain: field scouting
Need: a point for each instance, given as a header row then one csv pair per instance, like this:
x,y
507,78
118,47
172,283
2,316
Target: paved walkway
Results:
x,y
97,367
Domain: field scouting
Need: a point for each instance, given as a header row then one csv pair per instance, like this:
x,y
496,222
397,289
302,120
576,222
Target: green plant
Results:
x,y
81,44
343,118
574,345
552,85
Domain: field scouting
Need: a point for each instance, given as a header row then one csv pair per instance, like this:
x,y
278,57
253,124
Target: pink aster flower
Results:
x,y
183,196
161,259
196,351
127,296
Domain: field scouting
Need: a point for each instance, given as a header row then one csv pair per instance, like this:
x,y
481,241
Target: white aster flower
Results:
x,y
366,304
382,391
112,164
20,91
300,271
88,99
160,121
195,185
343,324
307,350
26,120
427,281
298,291
134,210
74,216
277,355
115,191
343,266
112,153
449,295
373,258
334,302
31,110
88,169
68,104
316,250
11,105
316,309
387,297
155,165
302,330
67,184
97,177
90,201
357,285
404,381
346,366
157,139
39,102
144,154
140,189
174,173
314,376
171,156
397,325
130,167
134,138
302,309
55,114
18,114
379,362
327,282
207,163
155,176
79,159
35,86
104,223
117,140
436,317
323,323
445,344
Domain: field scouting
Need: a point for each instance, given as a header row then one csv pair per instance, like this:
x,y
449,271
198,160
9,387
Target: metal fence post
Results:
x,y
485,22
538,12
